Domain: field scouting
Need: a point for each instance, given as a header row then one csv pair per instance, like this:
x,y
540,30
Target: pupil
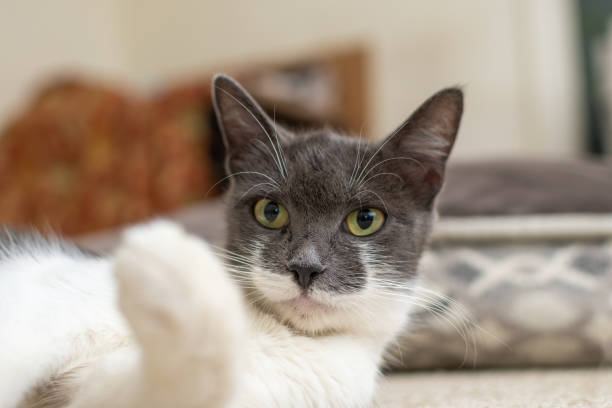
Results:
x,y
365,218
271,211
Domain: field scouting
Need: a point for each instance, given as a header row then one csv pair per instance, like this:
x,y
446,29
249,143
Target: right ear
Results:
x,y
243,123
425,140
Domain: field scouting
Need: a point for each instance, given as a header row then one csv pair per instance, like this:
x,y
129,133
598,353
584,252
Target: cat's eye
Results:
x,y
365,221
270,214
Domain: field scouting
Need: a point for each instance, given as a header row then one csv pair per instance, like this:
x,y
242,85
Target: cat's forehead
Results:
x,y
317,173
324,150
320,167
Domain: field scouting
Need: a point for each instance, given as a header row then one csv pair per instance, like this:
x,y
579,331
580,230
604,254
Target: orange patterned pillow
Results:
x,y
85,157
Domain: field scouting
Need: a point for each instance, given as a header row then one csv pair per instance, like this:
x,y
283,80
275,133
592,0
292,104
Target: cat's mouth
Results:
x,y
306,302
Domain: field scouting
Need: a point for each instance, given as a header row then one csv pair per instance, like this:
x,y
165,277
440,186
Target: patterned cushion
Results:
x,y
513,291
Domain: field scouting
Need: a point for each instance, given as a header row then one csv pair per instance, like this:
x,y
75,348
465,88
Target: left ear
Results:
x,y
242,122
419,148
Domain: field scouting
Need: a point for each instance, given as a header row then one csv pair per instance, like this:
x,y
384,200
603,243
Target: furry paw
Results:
x,y
176,296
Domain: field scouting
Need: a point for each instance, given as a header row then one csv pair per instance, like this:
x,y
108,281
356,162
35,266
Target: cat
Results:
x,y
316,279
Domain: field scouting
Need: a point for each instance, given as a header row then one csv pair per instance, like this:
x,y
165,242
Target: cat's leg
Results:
x,y
187,317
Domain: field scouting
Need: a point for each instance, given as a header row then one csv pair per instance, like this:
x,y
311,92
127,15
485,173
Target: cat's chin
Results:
x,y
310,320
306,303
306,313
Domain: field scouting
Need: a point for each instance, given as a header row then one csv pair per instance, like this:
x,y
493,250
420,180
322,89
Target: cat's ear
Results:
x,y
420,147
241,120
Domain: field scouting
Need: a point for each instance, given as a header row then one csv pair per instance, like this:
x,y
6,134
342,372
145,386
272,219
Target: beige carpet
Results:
x,y
576,388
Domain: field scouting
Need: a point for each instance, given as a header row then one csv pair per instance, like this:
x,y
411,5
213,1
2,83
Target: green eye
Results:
x,y
365,221
270,214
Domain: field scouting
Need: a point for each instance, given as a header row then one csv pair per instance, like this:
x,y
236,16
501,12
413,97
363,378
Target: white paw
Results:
x,y
175,293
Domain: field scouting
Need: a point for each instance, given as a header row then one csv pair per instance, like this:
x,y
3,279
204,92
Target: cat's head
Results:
x,y
324,230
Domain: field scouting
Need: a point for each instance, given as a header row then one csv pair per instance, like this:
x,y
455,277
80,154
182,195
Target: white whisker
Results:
x,y
373,193
243,172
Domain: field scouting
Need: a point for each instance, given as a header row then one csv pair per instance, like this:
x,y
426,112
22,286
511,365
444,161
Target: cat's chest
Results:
x,y
298,370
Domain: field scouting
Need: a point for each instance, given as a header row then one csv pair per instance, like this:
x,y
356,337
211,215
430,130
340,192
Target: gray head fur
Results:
x,y
320,177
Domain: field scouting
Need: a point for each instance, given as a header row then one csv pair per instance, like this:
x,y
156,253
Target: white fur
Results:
x,y
161,324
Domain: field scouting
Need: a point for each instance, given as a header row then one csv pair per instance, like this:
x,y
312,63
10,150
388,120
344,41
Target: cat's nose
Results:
x,y
305,274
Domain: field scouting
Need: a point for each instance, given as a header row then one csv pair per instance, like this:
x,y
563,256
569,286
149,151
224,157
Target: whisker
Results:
x,y
255,186
364,175
357,162
382,174
374,193
280,147
265,146
242,172
444,314
383,145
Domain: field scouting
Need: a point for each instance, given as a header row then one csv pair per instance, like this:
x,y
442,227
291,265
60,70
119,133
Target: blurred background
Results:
x,y
105,114
106,119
